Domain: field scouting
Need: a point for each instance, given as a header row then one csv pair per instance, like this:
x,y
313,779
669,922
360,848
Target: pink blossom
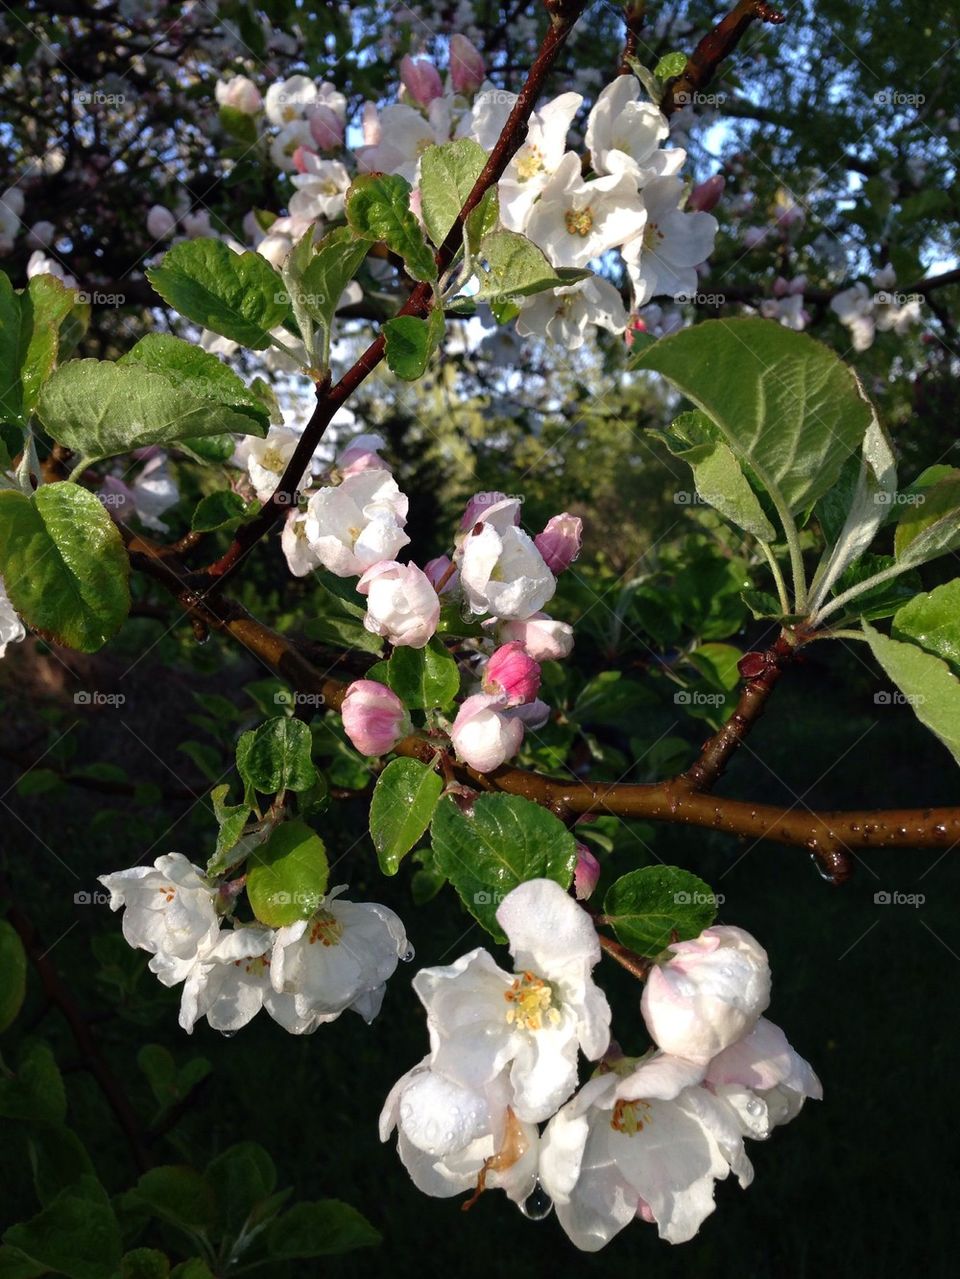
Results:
x,y
421,79
439,570
401,603
374,718
586,874
483,736
512,675
706,196
482,506
543,638
371,124
466,65
560,541
362,454
326,127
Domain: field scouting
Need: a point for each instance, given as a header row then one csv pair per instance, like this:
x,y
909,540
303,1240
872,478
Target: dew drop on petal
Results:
x,y
537,1204
755,1107
407,955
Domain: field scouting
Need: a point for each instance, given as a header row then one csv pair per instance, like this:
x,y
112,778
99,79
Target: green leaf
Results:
x,y
99,409
483,219
423,678
11,353
241,1177
448,174
335,262
287,876
76,1234
277,756
340,623
926,682
671,65
877,601
44,306
761,604
231,818
238,295
610,698
646,907
322,1229
502,842
238,124
13,974
717,663
64,565
718,476
36,1091
401,809
195,1268
193,369
931,525
513,266
144,1263
378,208
176,1194
224,509
784,403
411,342
932,620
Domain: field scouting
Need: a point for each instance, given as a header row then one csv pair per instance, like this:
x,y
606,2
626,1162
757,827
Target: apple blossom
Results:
x,y
266,459
586,874
485,120
503,573
40,264
374,717
763,1079
483,734
240,93
300,555
537,159
326,127
338,959
705,196
563,315
662,260
421,79
169,911
853,307
483,1021
544,638
560,541
442,575
401,603
362,454
499,509
358,523
321,188
404,136
624,134
41,235
291,138
511,675
708,994
161,223
453,1138
287,100
11,207
12,629
152,492
575,221
467,70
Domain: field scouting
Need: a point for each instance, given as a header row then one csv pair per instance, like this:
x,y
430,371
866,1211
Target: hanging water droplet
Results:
x,y
407,955
823,871
228,1034
755,1107
537,1204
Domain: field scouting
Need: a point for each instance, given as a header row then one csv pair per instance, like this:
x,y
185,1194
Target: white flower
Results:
x,y
708,994
289,140
340,958
154,491
624,135
230,983
537,159
266,459
402,604
673,243
503,573
161,222
575,221
543,638
451,1138
651,1146
484,122
12,630
483,734
483,1021
404,135
854,309
788,310
169,912
320,188
287,100
763,1079
300,555
11,207
240,93
358,523
39,264
562,315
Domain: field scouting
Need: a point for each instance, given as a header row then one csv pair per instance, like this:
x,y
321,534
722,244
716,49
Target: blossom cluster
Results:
x,y
644,1137
304,974
499,576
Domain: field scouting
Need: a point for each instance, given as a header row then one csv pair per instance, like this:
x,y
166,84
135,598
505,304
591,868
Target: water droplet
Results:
x,y
407,955
228,1034
755,1107
537,1204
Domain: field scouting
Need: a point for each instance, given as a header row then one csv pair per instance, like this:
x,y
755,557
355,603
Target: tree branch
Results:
x,y
712,49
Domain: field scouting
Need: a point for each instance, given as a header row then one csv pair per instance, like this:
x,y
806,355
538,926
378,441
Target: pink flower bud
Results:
x,y
543,638
401,603
362,454
482,505
439,570
512,675
371,124
483,736
374,718
466,65
586,874
559,543
707,195
708,995
304,159
326,127
421,79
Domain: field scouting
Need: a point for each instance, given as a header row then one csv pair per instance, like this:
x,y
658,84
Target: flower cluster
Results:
x,y
864,312
644,1137
304,974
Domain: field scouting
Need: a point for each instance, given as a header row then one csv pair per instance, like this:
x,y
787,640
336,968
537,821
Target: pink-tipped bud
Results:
x,y
421,79
560,541
374,718
441,574
586,874
362,454
707,195
512,674
371,124
466,66
482,505
543,638
304,159
326,128
483,736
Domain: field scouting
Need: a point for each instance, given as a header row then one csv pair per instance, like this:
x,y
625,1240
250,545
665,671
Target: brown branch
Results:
x,y
638,965
564,13
58,994
634,13
712,49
